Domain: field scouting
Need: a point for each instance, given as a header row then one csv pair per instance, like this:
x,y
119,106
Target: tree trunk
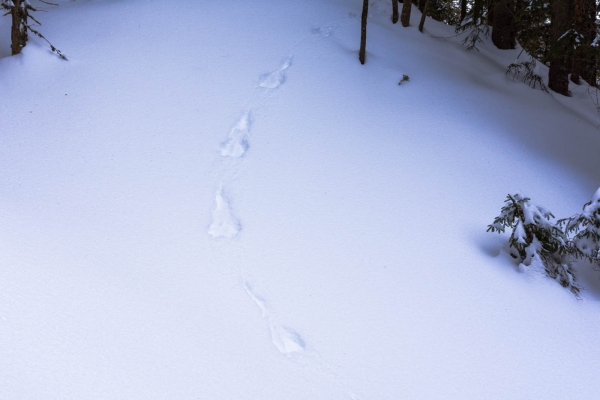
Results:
x,y
579,51
504,24
423,15
405,18
18,34
588,69
558,76
394,11
463,9
477,11
490,12
363,32
584,58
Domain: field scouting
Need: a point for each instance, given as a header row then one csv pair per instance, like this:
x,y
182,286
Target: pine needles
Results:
x,y
556,245
524,71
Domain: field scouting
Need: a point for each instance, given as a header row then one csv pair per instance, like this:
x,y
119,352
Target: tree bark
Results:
x,y
394,11
463,9
584,58
588,68
421,5
579,51
18,35
558,75
490,12
423,15
363,32
503,24
477,11
406,8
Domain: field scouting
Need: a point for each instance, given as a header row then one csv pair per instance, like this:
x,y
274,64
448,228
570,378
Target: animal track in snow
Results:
x,y
286,339
274,79
323,31
237,142
291,343
224,224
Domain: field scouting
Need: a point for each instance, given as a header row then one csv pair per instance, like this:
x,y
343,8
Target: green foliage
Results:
x,y
584,232
535,237
533,27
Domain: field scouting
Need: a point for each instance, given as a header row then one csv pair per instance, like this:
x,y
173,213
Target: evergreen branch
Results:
x,y
557,245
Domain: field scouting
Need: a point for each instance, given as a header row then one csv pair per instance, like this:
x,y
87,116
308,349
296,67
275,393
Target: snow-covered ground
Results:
x,y
215,200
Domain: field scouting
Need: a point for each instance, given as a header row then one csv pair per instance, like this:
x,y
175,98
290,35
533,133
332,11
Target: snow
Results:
x,y
520,233
272,80
223,224
188,214
593,207
237,143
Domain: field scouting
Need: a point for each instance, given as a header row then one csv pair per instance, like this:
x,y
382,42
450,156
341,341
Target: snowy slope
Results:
x,y
216,200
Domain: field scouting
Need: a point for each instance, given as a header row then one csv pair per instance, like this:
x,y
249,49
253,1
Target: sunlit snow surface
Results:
x,y
216,200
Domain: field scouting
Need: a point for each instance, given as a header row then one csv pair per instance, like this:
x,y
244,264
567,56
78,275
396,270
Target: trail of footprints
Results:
x,y
226,225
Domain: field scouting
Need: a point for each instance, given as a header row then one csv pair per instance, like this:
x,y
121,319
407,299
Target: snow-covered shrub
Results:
x,y
536,237
584,231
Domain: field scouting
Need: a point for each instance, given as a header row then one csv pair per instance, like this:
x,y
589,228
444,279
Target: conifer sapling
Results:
x,y
536,237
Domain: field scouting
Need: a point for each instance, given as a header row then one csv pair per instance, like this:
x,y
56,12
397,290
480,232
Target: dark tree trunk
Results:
x,y
588,69
423,15
477,10
463,9
558,76
421,5
394,11
18,33
584,58
405,17
490,12
503,24
363,31
578,55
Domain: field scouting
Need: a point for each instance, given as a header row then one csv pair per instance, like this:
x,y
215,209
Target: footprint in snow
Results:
x,y
274,79
237,142
289,342
224,224
286,339
323,31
